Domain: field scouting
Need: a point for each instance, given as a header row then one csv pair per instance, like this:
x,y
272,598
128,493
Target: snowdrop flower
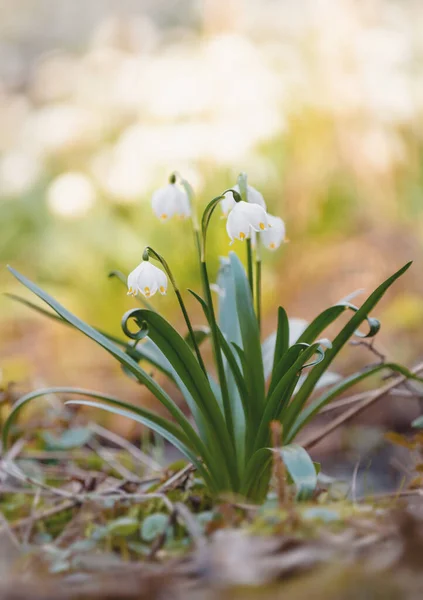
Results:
x,y
273,237
147,279
245,217
253,197
169,201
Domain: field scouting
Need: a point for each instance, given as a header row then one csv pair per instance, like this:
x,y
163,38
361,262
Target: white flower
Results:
x,y
273,237
147,279
169,201
245,217
253,197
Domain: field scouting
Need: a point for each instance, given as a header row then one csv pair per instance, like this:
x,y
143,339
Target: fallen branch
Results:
x,y
313,439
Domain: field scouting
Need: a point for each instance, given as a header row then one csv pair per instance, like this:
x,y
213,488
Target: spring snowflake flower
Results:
x,y
170,201
245,217
274,236
147,279
253,197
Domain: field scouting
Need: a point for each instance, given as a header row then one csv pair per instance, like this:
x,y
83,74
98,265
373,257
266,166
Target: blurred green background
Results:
x,y
319,101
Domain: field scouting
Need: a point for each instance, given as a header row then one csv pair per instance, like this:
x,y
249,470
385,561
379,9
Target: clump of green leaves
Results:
x,y
227,437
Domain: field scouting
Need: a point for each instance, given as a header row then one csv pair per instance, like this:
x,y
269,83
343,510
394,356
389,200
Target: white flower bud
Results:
x,y
147,279
253,197
169,201
245,217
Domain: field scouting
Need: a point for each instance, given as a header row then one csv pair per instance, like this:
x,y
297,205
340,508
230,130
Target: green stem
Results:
x,y
258,292
190,329
258,280
217,352
250,265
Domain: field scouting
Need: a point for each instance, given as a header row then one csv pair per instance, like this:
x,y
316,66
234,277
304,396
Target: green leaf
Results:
x,y
320,323
254,374
258,467
293,362
186,366
229,333
53,317
123,527
285,363
153,526
282,338
188,445
295,328
200,334
316,405
418,423
157,424
119,355
301,468
71,438
350,328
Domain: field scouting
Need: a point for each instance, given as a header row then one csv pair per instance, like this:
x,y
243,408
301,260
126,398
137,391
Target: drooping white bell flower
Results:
x,y
170,201
253,197
245,217
147,279
273,237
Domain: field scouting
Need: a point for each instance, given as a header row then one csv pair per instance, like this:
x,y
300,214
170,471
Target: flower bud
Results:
x,y
253,197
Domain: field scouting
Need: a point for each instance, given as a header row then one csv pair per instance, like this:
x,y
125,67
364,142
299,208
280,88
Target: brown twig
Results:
x,y
370,346
130,448
313,439
177,478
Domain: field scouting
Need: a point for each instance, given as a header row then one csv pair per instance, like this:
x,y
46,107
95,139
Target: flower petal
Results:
x,y
273,237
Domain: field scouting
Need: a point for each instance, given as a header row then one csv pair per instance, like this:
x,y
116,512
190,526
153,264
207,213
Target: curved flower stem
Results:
x,y
243,188
150,252
258,280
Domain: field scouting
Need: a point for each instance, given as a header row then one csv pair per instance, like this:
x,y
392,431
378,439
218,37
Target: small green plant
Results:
x,y
228,437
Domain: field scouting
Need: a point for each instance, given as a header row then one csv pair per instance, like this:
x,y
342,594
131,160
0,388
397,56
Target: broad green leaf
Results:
x,y
71,438
230,333
301,469
254,373
341,339
123,526
153,526
227,310
418,423
236,374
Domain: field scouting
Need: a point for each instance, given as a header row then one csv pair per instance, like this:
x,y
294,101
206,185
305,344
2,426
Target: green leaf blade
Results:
x,y
301,469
